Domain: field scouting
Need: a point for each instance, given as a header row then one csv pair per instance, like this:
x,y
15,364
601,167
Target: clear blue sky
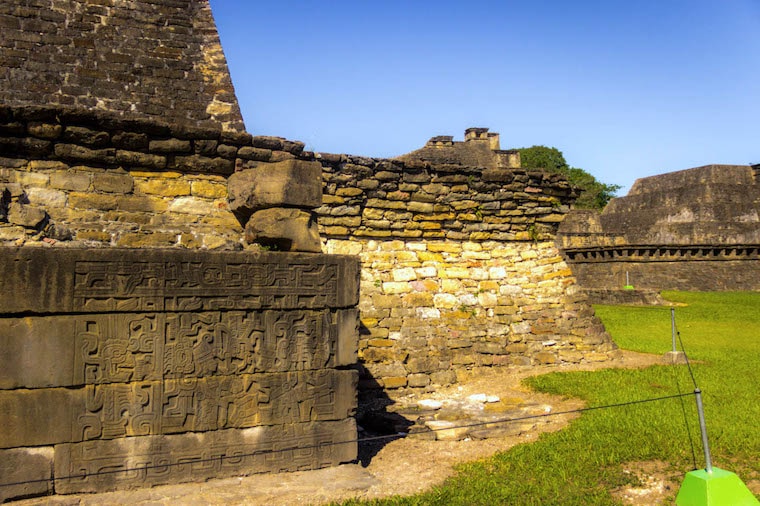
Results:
x,y
624,89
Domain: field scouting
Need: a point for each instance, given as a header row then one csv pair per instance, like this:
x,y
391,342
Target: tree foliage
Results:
x,y
593,194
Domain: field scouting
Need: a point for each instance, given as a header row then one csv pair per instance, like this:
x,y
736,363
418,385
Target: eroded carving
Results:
x,y
125,347
207,404
101,286
152,460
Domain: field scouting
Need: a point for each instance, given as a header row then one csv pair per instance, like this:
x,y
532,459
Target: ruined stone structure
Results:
x,y
137,347
158,59
480,148
459,267
696,229
168,314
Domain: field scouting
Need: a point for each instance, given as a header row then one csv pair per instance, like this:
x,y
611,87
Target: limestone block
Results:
x,y
285,229
37,352
294,183
11,191
208,189
31,468
86,200
156,460
27,216
12,233
189,205
146,240
164,187
112,182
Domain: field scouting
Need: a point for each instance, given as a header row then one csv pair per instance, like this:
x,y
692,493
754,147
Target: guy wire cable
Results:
x,y
674,370
397,435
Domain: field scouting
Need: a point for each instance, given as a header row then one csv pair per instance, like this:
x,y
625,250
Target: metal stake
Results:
x,y
703,430
673,326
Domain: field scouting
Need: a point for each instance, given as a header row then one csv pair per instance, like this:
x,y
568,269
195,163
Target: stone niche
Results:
x,y
129,368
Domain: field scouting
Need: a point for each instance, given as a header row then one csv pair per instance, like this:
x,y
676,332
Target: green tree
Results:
x,y
593,194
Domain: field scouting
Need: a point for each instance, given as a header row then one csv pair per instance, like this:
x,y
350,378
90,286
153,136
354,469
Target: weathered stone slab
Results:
x,y
284,229
59,415
97,466
295,183
36,352
38,417
129,280
30,469
74,350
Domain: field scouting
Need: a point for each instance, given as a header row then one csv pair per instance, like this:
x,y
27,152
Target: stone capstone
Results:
x,y
290,183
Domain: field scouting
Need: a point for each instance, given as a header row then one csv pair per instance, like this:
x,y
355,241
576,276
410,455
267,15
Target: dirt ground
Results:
x,y
403,466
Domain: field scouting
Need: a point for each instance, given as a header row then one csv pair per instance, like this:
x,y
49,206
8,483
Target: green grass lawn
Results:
x,y
584,462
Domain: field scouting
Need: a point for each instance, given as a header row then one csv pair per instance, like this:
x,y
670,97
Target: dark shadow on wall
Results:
x,y
378,423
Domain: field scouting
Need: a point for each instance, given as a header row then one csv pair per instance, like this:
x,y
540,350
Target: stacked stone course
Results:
x,y
100,179
459,269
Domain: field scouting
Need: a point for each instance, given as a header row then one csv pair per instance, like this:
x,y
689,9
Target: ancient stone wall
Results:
x,y
126,364
133,354
140,58
129,368
99,180
459,269
696,229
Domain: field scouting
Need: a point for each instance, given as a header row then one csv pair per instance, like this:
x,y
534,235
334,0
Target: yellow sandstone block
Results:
x,y
209,189
164,187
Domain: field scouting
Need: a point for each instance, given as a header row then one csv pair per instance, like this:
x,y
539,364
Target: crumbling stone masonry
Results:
x,y
459,267
98,179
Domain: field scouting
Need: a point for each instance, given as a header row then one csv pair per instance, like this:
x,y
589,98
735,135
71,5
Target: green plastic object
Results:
x,y
719,488
628,287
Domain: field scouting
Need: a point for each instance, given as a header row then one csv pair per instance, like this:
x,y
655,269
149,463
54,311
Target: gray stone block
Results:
x,y
30,470
74,350
36,352
38,417
97,466
346,352
129,280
